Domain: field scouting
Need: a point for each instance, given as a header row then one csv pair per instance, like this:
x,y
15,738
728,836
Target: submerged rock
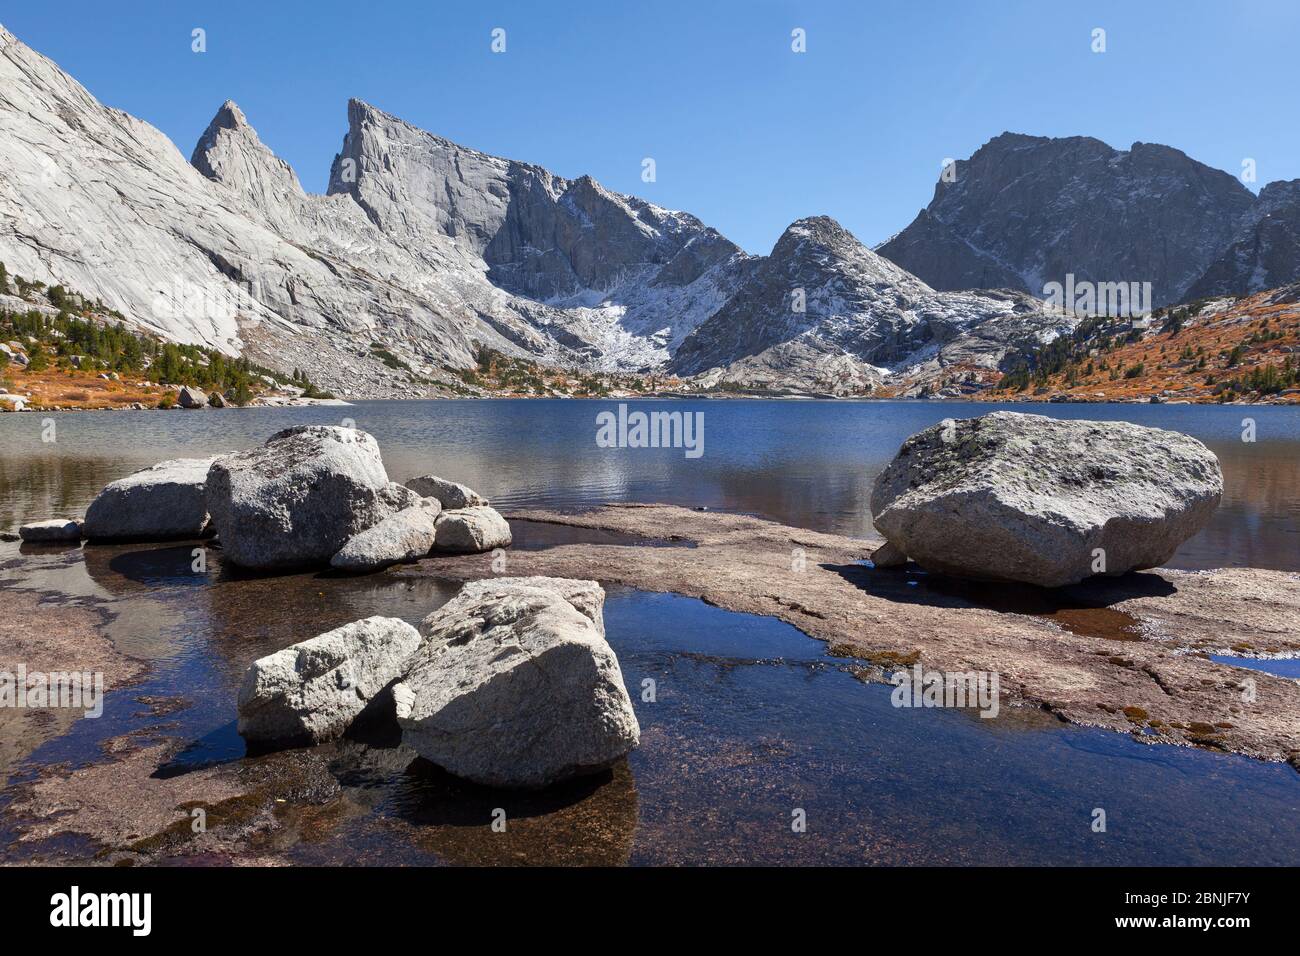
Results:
x,y
514,685
167,500
314,690
405,536
300,498
56,529
469,530
449,494
1015,497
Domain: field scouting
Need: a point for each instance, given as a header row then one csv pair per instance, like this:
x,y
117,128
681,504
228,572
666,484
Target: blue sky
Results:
x,y
745,133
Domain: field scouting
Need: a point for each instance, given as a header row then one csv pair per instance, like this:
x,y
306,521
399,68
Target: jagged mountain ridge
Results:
x,y
862,317
1023,211
229,251
632,268
95,199
430,249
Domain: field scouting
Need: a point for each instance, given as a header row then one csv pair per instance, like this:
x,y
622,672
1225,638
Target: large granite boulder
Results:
x,y
167,500
407,535
449,494
470,530
1012,497
301,497
191,397
514,685
313,691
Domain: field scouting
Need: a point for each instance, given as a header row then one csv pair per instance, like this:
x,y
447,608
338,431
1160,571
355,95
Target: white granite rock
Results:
x,y
515,686
167,500
470,530
314,690
1015,497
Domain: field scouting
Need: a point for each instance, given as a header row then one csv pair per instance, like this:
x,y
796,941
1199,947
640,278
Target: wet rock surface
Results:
x,y
891,617
748,712
56,529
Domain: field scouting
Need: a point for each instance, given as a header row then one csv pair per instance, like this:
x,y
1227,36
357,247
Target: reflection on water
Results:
x,y
1283,667
750,721
809,464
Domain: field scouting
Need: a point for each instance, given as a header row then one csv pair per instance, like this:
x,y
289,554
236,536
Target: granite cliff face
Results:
x,y
428,300
102,202
621,269
826,314
229,251
1026,210
1265,250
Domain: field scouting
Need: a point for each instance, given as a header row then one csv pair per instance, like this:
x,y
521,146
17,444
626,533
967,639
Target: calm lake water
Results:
x,y
809,464
752,722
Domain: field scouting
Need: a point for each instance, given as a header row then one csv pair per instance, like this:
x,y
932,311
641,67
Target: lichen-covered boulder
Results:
x,y
301,497
1013,497
514,685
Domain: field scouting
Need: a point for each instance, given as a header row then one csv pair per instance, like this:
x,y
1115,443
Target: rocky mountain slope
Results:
x,y
1217,350
424,256
97,200
825,314
230,252
1023,211
1265,250
628,278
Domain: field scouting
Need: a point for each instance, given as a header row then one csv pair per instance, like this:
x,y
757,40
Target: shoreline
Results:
x,y
1292,402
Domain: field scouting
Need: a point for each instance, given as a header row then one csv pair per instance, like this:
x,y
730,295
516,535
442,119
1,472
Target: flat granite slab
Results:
x,y
1129,654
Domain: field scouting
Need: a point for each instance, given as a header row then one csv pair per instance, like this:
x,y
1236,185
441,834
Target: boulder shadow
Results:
x,y
588,821
1084,608
221,746
169,565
